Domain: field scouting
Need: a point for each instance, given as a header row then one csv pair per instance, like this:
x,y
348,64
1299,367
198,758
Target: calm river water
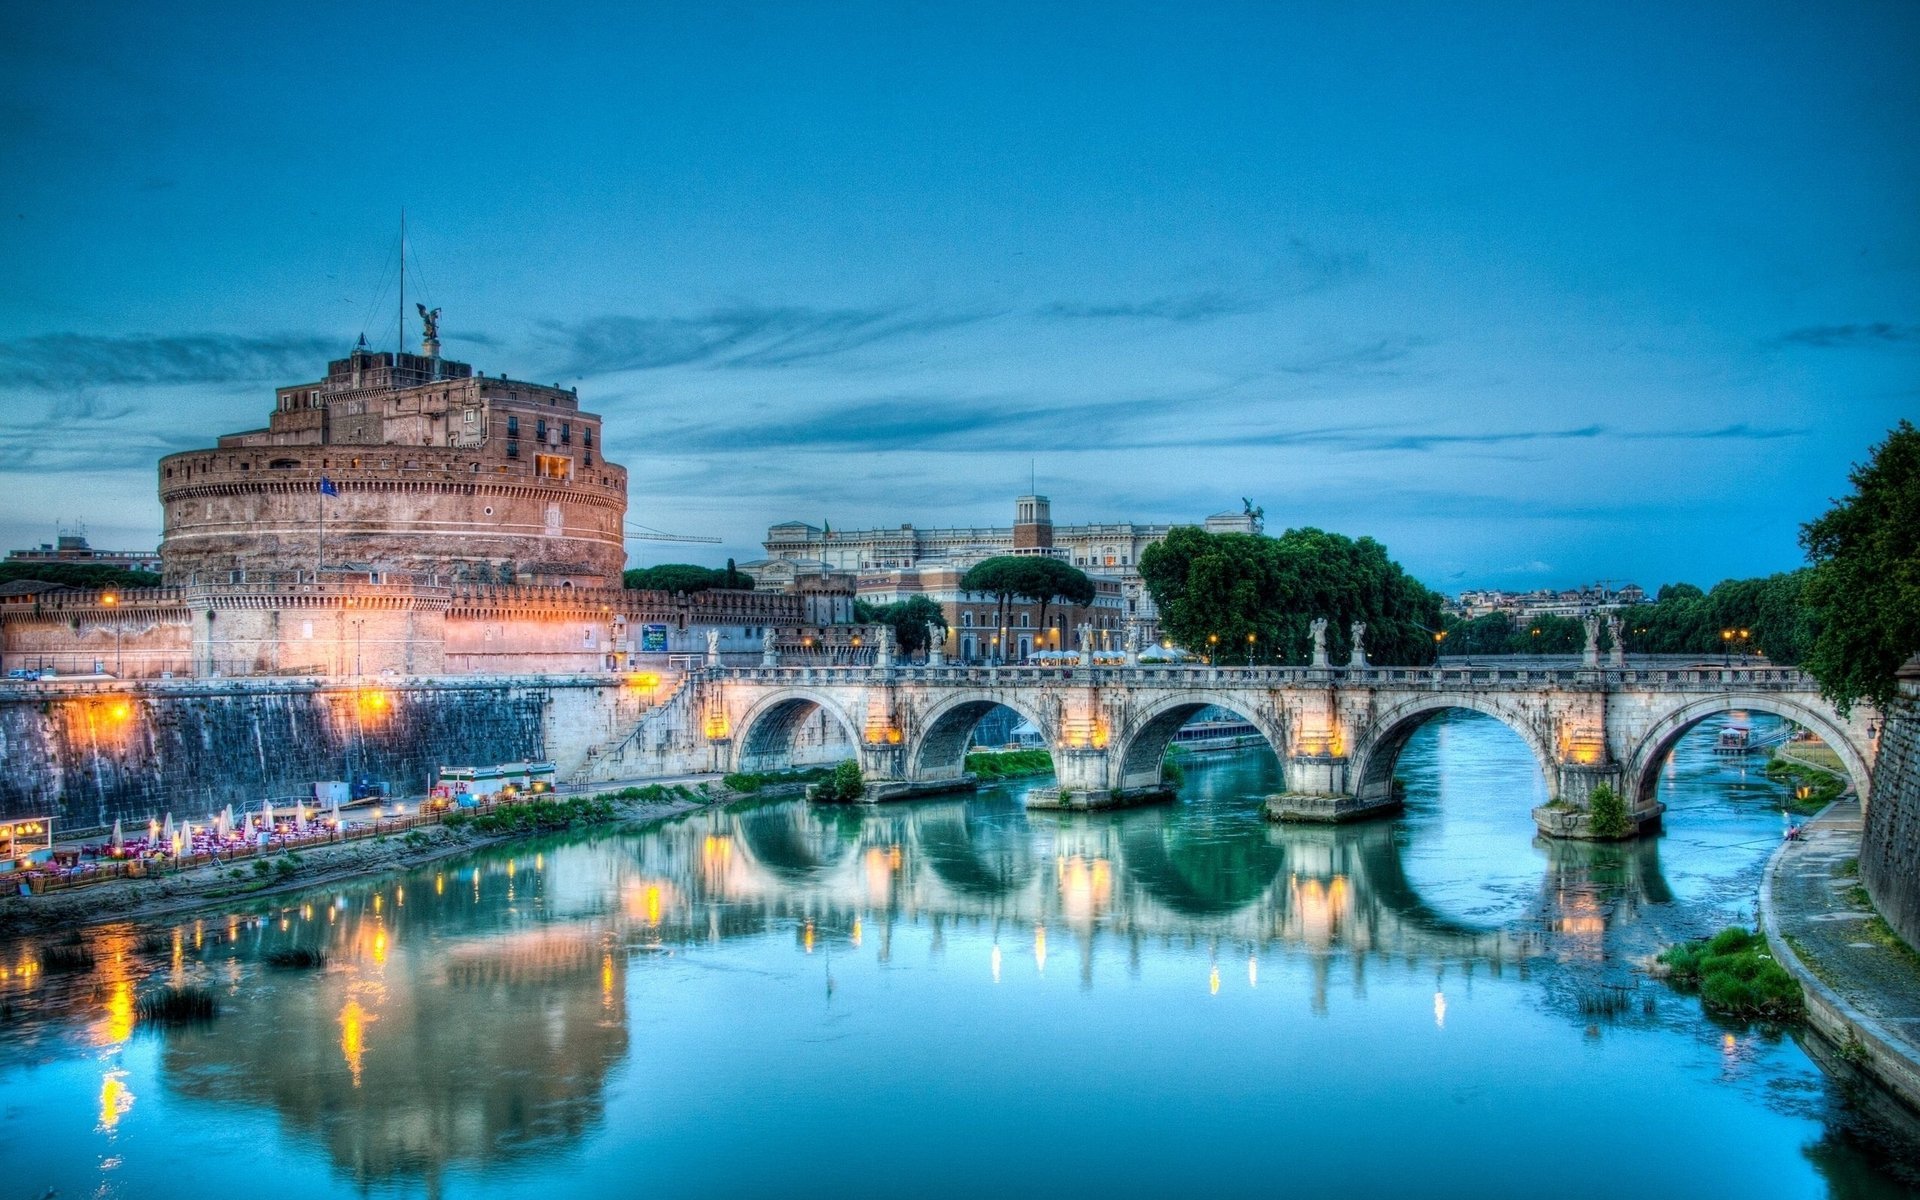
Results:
x,y
956,998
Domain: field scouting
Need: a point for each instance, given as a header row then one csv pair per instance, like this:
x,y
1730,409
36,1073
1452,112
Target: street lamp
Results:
x,y
111,600
1213,646
1250,640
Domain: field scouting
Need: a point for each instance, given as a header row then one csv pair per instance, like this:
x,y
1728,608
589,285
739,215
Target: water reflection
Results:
x,y
476,1015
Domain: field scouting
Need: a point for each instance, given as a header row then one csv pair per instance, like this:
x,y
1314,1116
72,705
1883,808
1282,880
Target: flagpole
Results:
x,y
320,556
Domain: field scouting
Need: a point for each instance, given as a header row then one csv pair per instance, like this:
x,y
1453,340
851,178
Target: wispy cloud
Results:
x,y
1368,356
1197,306
1831,337
66,361
745,336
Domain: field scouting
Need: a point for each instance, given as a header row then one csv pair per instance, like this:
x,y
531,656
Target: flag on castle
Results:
x,y
327,488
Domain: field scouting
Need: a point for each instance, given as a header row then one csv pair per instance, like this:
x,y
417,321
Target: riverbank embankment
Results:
x,y
332,862
1862,983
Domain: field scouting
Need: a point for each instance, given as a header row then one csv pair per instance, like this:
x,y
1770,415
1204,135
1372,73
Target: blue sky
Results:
x,y
1533,293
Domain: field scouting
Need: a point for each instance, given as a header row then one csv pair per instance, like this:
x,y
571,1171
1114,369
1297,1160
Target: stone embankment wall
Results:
x,y
1890,848
89,757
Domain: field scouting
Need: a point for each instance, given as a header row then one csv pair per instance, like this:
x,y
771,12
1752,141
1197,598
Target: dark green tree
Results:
x,y
1864,590
1002,577
909,619
78,575
686,577
1047,580
1214,590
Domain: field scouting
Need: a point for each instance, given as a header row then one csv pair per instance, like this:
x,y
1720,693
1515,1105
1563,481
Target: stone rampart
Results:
x,y
1890,846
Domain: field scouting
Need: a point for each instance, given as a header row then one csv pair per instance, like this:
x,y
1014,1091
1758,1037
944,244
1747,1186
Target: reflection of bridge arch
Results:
x,y
766,733
1145,746
799,842
940,751
1373,759
1644,764
973,855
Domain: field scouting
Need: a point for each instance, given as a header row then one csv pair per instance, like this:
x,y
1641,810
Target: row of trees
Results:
x,y
1767,615
908,618
78,575
1248,596
687,577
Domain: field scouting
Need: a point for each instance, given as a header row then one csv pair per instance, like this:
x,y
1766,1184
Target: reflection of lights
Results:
x,y
806,937
1439,1010
117,1024
115,1100
1086,885
1040,948
653,904
1213,980
996,962
606,979
380,947
353,1021
856,931
439,885
1253,971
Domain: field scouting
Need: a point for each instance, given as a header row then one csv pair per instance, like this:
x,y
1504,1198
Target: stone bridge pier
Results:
x,y
1338,732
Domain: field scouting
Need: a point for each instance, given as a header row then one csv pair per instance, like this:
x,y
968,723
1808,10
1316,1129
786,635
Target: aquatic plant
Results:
x,y
1736,976
177,1006
66,957
297,957
1009,764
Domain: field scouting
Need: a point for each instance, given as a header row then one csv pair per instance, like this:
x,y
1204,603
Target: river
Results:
x,y
956,997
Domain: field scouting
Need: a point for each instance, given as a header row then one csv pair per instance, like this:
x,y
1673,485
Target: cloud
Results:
x,y
1833,337
1349,359
745,336
65,361
1198,306
1322,266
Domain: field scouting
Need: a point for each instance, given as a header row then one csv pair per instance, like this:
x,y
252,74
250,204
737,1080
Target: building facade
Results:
x,y
900,561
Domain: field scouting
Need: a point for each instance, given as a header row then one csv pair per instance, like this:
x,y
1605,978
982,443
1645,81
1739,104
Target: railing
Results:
x,y
1770,678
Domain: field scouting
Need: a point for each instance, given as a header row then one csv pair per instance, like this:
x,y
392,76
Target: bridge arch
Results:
x,y
940,750
1144,745
1371,762
764,741
1650,754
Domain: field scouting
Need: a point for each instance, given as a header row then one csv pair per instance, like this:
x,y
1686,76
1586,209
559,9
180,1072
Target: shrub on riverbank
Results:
x,y
1736,976
544,816
1607,813
844,786
749,782
1009,764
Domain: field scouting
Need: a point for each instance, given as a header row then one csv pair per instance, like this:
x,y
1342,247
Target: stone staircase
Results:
x,y
648,748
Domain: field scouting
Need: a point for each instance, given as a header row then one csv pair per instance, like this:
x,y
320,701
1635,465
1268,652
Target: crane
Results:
x,y
646,533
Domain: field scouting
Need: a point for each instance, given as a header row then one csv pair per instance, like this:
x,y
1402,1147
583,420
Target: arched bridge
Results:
x,y
1336,730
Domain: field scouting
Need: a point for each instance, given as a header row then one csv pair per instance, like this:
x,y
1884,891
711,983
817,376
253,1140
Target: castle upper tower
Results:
x,y
429,469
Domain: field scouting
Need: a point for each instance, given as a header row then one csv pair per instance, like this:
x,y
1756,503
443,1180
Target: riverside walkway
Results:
x,y
1863,991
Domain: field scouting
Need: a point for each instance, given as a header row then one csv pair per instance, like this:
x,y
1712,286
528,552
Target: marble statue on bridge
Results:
x,y
1616,637
769,654
1358,659
713,647
1590,654
1319,628
936,645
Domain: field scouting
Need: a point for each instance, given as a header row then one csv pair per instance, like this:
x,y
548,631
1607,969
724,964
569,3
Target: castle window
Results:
x,y
283,464
966,620
587,435
540,430
513,448
566,433
513,427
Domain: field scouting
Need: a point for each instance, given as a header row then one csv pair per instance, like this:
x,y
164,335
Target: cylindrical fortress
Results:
x,y
411,467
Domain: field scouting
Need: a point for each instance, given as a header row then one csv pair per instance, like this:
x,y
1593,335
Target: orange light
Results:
x,y
109,599
372,701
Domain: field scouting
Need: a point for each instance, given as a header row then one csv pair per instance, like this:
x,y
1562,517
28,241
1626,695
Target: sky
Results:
x,y
1534,294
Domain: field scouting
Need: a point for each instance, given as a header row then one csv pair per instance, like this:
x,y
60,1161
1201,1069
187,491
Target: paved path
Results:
x,y
1813,903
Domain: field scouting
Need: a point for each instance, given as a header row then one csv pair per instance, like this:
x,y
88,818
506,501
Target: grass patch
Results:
x,y
1009,764
1605,1001
177,1006
297,957
749,782
1883,935
1849,869
1736,976
1808,790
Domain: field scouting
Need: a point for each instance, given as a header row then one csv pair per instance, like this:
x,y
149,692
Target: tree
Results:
x,y
1001,577
1213,590
1045,580
1864,590
686,577
909,619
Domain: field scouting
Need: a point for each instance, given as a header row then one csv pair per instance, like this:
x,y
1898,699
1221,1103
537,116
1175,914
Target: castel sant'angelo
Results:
x,y
403,514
